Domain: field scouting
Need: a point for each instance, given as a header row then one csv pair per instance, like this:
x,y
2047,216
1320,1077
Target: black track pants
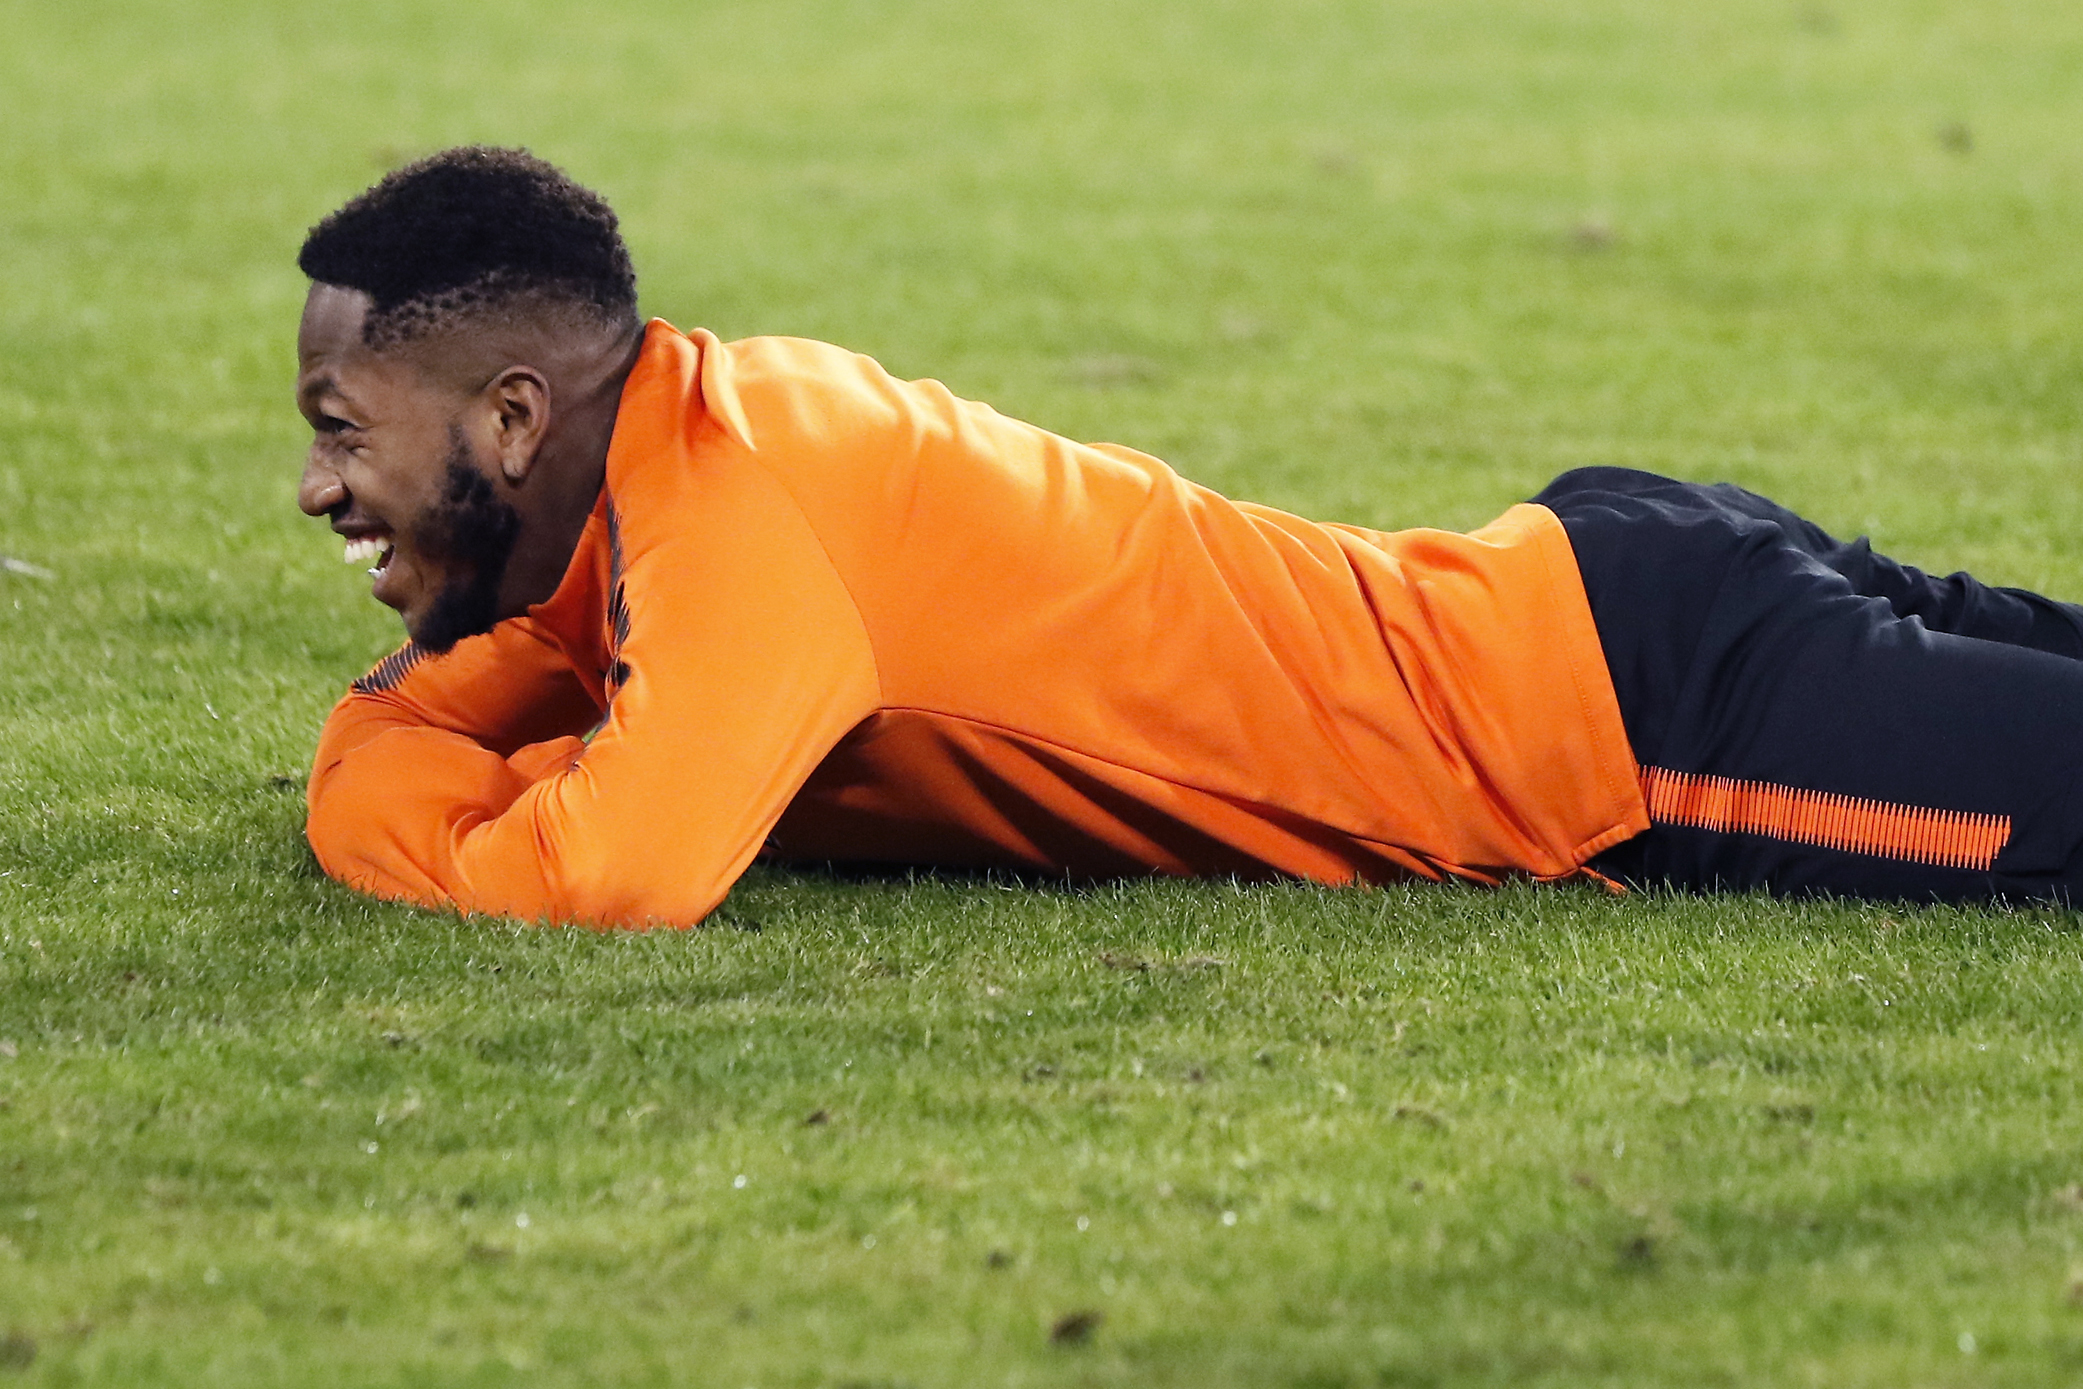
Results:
x,y
1810,716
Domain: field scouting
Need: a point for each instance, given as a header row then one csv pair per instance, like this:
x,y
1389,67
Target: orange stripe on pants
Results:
x,y
1949,838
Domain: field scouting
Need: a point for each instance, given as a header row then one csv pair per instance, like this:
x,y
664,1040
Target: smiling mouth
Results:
x,y
362,549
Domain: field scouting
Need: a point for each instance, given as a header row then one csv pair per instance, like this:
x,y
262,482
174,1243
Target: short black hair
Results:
x,y
475,229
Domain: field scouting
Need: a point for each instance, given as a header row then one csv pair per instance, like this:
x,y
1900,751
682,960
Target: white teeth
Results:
x,y
363,550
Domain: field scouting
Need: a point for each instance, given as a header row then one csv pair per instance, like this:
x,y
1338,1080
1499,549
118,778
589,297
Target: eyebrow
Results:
x,y
318,388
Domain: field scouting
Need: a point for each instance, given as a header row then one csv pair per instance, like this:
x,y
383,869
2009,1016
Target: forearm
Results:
x,y
392,803
418,814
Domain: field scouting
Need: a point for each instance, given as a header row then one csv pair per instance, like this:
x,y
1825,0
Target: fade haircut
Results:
x,y
474,231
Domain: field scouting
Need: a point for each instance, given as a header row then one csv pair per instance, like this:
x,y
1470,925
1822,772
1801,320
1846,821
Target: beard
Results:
x,y
471,533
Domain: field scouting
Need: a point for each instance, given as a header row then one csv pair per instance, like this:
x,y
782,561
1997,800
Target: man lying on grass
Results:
x,y
675,604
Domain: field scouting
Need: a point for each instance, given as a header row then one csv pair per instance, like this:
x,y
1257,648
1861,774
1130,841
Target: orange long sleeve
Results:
x,y
845,617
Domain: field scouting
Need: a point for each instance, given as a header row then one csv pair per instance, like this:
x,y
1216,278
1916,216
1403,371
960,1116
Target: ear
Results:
x,y
519,401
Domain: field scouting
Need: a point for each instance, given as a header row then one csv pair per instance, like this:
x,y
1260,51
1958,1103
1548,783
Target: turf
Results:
x,y
1393,263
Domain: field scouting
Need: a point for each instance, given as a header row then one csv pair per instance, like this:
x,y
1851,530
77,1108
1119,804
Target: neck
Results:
x,y
570,470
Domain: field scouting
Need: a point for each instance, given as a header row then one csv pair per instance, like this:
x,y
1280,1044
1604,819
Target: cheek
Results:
x,y
406,489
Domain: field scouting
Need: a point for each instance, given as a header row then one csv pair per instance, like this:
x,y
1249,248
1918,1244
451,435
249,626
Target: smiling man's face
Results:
x,y
396,466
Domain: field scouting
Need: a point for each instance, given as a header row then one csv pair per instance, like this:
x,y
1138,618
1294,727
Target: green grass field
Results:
x,y
1394,263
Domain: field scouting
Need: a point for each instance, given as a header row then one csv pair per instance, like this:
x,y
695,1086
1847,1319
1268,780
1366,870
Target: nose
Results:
x,y
320,491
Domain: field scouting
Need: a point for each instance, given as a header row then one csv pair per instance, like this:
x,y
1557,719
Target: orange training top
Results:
x,y
831,615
